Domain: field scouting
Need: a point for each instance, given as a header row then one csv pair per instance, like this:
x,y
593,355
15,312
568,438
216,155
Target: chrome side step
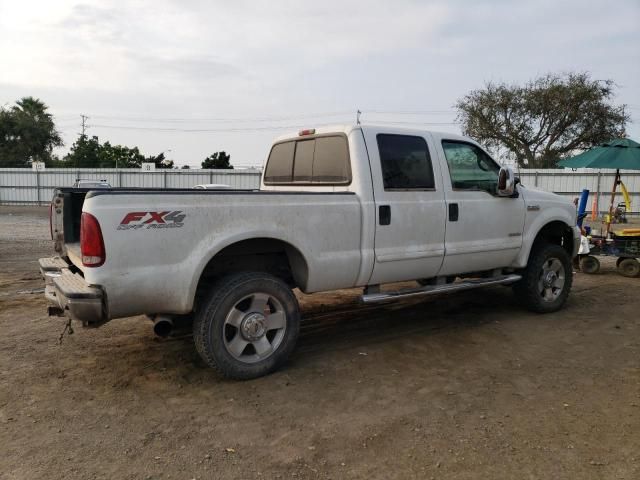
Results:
x,y
433,289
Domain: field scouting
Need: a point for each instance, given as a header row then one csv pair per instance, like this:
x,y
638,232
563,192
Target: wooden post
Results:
x,y
597,213
613,196
38,184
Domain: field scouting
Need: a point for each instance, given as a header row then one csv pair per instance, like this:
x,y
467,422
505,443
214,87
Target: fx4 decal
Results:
x,y
137,220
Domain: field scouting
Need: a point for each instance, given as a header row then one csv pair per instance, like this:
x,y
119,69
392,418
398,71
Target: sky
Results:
x,y
189,78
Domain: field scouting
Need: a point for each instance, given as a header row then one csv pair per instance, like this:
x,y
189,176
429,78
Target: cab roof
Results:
x,y
378,127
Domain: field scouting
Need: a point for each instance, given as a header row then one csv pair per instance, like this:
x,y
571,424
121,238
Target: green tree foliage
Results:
x,y
545,120
27,134
85,153
217,160
90,153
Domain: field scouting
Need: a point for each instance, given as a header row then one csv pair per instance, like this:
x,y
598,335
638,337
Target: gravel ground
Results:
x,y
467,386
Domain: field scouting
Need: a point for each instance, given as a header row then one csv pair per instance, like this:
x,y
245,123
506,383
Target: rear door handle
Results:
x,y
453,212
384,214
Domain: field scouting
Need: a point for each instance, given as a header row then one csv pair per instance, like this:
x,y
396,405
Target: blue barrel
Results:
x,y
582,206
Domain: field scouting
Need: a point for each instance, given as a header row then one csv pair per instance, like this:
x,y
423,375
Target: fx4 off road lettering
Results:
x,y
146,220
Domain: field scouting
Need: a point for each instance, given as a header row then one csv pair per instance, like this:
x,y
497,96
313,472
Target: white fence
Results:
x,y
21,186
569,183
25,186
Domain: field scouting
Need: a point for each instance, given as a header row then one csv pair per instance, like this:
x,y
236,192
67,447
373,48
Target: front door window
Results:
x,y
470,167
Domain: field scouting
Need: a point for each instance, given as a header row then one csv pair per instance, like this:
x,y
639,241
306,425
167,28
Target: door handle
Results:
x,y
453,212
384,214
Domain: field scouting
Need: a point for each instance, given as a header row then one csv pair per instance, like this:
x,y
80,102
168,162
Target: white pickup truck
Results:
x,y
338,207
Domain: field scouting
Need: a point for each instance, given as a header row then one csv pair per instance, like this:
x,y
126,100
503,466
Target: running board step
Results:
x,y
433,289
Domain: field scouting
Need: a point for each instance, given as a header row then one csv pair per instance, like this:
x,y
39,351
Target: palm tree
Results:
x,y
27,133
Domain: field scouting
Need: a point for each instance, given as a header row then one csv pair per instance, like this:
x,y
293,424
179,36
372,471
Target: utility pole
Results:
x,y
84,119
84,123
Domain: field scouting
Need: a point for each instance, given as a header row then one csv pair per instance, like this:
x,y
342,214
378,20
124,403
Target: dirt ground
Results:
x,y
468,386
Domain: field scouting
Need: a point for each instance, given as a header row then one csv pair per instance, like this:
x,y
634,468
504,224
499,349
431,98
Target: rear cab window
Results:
x,y
280,164
318,160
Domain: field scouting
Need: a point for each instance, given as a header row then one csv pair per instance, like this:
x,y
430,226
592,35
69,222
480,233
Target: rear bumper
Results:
x,y
68,294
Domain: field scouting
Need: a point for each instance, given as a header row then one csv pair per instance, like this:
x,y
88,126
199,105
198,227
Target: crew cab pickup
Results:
x,y
338,207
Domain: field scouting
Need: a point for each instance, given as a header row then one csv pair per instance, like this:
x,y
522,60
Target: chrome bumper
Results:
x,y
69,295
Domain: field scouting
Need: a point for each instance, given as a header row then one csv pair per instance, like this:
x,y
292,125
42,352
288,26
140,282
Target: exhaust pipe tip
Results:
x,y
162,326
55,311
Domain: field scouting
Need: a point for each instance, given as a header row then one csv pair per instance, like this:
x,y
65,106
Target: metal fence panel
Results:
x,y
25,186
571,183
22,186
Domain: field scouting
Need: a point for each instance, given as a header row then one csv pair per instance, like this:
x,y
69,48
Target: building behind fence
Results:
x,y
20,186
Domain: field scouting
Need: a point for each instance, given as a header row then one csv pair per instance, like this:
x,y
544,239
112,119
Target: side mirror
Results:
x,y
506,182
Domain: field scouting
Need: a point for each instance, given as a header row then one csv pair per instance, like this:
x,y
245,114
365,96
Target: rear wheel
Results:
x,y
547,279
248,326
589,264
628,267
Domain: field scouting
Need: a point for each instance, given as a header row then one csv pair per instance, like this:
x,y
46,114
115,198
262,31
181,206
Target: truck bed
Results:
x,y
164,260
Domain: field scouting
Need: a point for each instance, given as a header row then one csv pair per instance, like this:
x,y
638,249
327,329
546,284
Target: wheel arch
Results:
x,y
256,253
555,231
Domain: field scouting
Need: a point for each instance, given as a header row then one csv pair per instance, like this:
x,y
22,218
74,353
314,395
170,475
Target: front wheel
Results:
x,y
248,326
547,279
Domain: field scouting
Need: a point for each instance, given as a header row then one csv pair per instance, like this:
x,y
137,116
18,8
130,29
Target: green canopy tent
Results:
x,y
619,154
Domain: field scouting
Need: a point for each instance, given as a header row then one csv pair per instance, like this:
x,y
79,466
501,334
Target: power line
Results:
x,y
417,122
197,130
246,129
220,119
258,128
265,118
411,112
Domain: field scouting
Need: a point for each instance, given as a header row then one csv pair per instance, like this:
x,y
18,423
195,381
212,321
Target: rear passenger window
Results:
x,y
405,162
280,166
303,161
331,164
318,160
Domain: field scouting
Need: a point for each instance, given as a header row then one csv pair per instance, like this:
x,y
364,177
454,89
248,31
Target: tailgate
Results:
x,y
66,213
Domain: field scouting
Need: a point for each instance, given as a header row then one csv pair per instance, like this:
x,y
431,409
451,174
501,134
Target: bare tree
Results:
x,y
545,120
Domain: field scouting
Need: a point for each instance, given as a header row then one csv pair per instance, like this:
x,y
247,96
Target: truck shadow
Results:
x,y
343,326
335,325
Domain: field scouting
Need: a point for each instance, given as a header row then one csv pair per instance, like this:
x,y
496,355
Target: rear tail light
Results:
x,y
91,242
307,131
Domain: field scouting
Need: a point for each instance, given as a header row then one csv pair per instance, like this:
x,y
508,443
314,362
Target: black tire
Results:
x,y
539,290
589,264
628,267
216,335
